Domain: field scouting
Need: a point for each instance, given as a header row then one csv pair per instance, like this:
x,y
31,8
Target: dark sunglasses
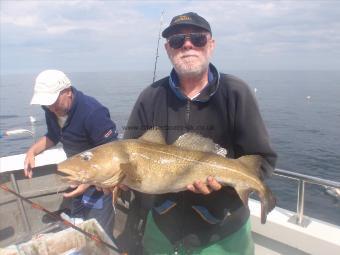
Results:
x,y
197,39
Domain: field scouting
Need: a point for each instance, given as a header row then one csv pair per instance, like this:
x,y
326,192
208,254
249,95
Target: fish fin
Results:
x,y
243,194
114,180
252,163
193,141
153,135
130,172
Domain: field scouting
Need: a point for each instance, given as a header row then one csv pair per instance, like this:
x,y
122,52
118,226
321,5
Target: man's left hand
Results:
x,y
200,187
78,191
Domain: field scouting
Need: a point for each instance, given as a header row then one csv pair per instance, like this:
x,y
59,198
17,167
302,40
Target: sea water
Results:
x,y
301,110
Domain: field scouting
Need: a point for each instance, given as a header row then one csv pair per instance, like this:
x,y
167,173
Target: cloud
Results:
x,y
111,35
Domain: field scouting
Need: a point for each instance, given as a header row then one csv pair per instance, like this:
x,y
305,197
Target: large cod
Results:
x,y
151,166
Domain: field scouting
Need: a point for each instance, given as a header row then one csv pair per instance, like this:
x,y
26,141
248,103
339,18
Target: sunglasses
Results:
x,y
197,39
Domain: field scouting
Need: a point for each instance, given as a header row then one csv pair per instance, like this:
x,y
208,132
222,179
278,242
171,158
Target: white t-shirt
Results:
x,y
62,121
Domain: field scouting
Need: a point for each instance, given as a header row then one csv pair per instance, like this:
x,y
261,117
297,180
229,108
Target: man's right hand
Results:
x,y
29,164
42,144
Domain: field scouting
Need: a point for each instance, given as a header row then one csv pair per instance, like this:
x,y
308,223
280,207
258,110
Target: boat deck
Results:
x,y
280,235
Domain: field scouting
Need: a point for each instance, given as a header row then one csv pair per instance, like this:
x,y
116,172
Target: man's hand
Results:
x,y
78,191
29,164
202,188
42,144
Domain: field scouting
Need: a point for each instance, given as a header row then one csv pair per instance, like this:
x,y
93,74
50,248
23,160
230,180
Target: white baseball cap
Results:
x,y
48,85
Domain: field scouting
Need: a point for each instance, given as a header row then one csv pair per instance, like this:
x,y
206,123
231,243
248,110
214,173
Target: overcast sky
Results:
x,y
122,35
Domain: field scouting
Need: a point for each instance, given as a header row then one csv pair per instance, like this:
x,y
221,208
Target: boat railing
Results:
x,y
302,179
14,132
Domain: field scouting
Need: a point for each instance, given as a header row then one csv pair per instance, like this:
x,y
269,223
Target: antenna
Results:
x,y
159,38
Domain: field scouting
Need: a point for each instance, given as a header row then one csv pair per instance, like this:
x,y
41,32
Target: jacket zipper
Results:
x,y
187,114
61,134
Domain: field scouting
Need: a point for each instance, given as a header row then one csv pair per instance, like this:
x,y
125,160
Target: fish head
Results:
x,y
99,166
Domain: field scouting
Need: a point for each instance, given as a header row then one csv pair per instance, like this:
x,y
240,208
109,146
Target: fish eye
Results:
x,y
86,155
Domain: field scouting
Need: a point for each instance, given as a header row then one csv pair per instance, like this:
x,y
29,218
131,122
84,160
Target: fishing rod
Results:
x,y
93,237
159,38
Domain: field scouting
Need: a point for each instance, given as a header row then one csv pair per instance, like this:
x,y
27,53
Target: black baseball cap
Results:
x,y
186,19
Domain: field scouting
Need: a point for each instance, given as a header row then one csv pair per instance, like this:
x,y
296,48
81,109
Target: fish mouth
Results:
x,y
68,175
73,177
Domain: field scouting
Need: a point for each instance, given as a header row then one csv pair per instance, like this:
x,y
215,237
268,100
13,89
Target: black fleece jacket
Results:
x,y
225,111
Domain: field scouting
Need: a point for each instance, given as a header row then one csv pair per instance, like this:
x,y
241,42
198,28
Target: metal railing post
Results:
x,y
21,206
300,201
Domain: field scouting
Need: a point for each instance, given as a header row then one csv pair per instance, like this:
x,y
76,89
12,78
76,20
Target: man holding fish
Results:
x,y
207,218
195,147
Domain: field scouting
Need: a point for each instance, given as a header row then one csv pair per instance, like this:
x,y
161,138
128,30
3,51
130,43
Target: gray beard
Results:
x,y
190,72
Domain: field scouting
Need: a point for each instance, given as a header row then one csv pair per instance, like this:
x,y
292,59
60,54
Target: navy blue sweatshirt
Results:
x,y
88,125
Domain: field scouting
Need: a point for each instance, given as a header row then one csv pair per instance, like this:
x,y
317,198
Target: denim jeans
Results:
x,y
104,215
